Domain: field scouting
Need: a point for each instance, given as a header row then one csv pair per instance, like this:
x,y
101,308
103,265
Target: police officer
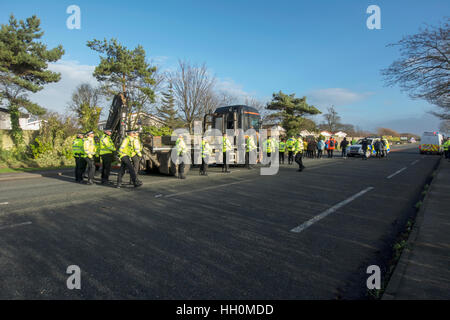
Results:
x,y
299,153
250,146
364,147
206,153
268,147
290,144
79,155
90,151
126,153
138,149
446,148
226,147
181,149
282,150
107,149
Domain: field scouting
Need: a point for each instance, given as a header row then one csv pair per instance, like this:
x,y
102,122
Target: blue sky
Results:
x,y
321,49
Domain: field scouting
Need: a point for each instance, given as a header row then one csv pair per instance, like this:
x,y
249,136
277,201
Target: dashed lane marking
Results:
x,y
395,173
319,217
15,225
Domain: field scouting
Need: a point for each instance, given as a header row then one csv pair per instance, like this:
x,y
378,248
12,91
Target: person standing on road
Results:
x,y
79,155
331,146
290,144
364,147
126,153
107,149
299,148
268,147
181,148
377,147
206,153
320,148
446,148
97,154
90,150
384,146
226,148
250,146
136,159
281,150
344,144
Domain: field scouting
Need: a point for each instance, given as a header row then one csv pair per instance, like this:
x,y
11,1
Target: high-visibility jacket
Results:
x,y
268,146
250,144
181,147
97,146
106,145
282,146
89,147
127,148
226,145
305,145
446,145
299,145
206,149
78,148
137,146
334,144
290,143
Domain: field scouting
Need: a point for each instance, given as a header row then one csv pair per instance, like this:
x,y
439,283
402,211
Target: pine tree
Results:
x,y
167,111
291,112
24,68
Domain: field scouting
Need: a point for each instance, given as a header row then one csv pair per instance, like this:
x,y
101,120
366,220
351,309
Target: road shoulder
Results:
x,y
423,271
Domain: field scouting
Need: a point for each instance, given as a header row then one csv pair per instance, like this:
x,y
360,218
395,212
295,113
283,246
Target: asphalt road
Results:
x,y
225,236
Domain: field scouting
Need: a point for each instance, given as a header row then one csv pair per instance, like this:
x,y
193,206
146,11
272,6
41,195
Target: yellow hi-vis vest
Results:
x,y
206,149
291,144
78,148
127,148
226,145
446,145
181,147
299,145
89,147
250,144
106,145
137,146
282,146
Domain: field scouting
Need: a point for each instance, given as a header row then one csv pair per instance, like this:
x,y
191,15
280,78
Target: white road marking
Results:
x,y
15,225
414,162
207,188
3,203
395,173
158,195
310,222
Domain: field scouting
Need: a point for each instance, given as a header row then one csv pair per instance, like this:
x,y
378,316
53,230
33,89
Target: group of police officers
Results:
x,y
85,149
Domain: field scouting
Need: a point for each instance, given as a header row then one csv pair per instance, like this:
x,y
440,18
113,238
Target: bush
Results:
x,y
155,131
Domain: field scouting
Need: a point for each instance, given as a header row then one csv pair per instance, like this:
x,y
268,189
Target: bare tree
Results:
x,y
192,87
84,104
444,126
424,67
332,120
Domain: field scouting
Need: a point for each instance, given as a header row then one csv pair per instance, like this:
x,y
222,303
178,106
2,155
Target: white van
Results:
x,y
431,143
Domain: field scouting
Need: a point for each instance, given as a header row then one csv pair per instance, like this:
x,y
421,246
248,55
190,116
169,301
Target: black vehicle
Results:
x,y
233,117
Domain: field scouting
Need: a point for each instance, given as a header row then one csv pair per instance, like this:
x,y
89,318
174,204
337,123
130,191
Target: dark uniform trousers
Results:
x,y
299,160
91,168
80,167
106,166
281,157
204,166
225,162
124,165
136,165
291,157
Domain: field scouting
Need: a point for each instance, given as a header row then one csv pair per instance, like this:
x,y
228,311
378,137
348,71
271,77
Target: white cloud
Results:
x,y
335,96
232,88
56,96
